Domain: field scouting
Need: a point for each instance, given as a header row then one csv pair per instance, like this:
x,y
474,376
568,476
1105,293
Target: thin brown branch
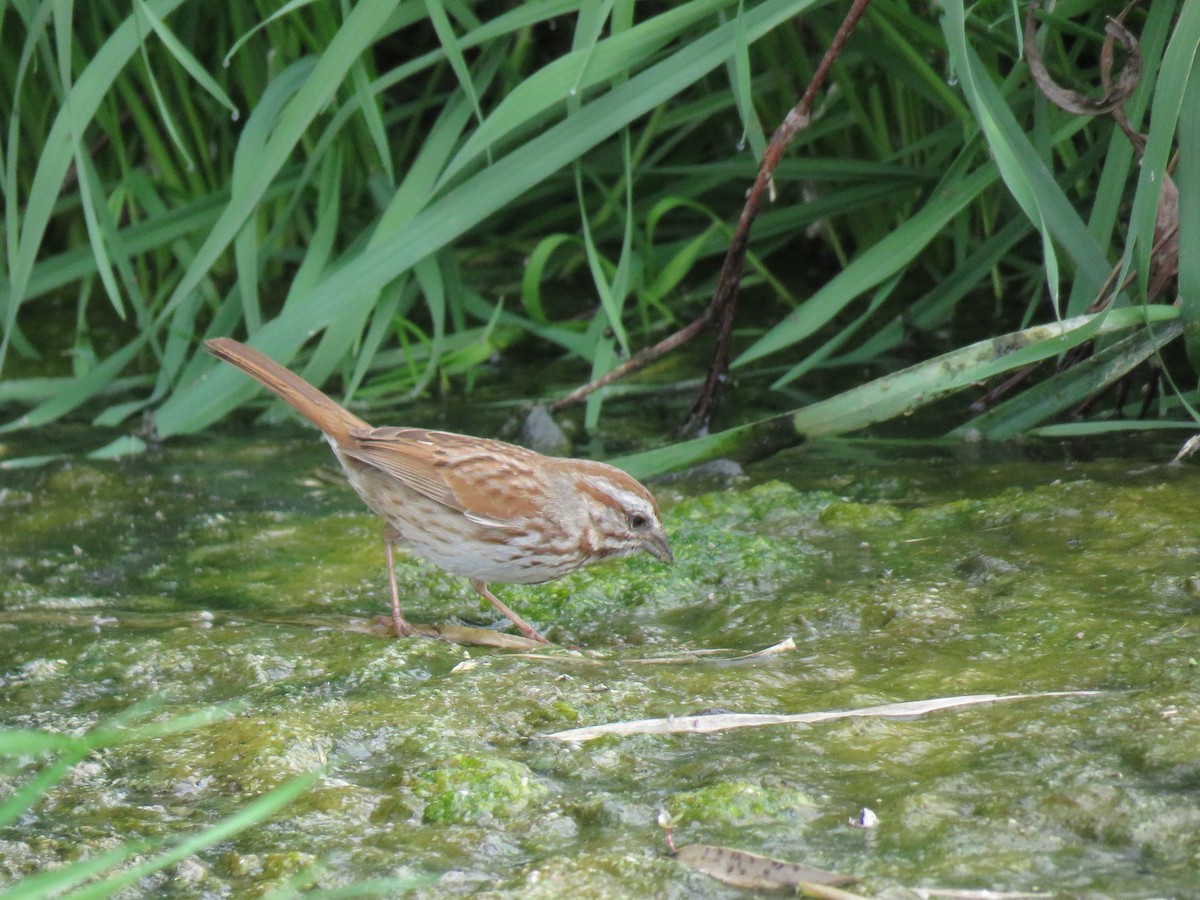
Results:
x,y
724,303
643,357
721,309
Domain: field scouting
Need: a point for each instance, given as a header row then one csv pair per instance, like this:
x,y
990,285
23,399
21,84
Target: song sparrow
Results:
x,y
481,508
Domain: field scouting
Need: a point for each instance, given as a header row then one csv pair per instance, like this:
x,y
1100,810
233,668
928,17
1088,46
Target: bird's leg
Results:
x,y
524,627
401,626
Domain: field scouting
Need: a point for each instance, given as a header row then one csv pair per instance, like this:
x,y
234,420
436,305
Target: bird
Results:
x,y
480,508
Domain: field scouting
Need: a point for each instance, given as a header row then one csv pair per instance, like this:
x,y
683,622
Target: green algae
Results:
x,y
243,572
739,804
850,516
465,788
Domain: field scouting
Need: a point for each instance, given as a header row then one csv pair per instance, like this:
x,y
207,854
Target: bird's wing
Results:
x,y
475,476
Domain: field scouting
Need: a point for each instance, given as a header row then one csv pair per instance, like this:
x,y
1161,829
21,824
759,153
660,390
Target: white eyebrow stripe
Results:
x,y
621,497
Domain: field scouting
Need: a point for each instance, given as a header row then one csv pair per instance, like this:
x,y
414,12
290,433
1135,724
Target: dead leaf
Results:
x,y
1115,95
749,870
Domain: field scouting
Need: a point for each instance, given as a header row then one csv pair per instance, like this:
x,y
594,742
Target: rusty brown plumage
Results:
x,y
480,508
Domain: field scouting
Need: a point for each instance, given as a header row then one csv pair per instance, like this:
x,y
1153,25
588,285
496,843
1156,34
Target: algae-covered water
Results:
x,y
244,572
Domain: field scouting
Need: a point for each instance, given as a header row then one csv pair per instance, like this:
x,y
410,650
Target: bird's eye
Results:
x,y
637,520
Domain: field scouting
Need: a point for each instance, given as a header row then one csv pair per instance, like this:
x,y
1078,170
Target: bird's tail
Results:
x,y
334,420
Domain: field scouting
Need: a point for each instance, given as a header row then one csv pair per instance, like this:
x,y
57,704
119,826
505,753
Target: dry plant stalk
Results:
x,y
709,724
720,311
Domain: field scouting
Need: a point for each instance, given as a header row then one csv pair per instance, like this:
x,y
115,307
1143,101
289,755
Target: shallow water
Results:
x,y
244,570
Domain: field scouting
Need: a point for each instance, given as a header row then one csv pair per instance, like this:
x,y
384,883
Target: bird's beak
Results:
x,y
655,543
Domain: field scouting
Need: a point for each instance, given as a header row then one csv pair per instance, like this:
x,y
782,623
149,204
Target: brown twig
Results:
x,y
643,357
720,311
724,302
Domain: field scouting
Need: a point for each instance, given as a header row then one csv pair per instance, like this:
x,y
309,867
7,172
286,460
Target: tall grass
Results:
x,y
392,191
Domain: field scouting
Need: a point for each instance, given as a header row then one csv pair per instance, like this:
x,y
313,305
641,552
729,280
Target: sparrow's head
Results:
x,y
623,512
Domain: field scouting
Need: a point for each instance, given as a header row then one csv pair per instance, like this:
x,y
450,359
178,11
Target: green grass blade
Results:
x,y
90,88
346,330
450,46
356,33
581,69
536,265
1062,430
1024,173
925,382
831,346
588,26
254,812
1071,387
463,207
286,10
246,261
368,103
871,268
54,881
185,58
898,393
761,436
63,38
1187,180
433,288
611,300
1178,66
164,110
740,79
82,388
1107,219
935,308
23,797
118,730
35,32
161,228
